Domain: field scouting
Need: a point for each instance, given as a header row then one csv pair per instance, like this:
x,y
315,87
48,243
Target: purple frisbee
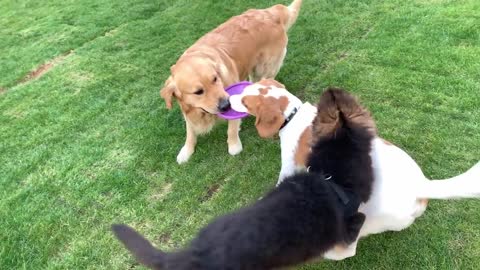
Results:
x,y
232,90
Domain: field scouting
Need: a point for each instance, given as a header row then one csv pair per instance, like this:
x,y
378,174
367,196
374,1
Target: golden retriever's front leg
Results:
x,y
189,147
234,143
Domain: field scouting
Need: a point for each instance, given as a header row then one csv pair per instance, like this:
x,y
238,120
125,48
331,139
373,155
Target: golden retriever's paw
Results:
x,y
235,149
184,155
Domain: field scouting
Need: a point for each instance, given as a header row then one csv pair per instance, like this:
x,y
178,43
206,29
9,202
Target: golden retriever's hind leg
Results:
x,y
189,147
254,78
276,64
269,67
234,143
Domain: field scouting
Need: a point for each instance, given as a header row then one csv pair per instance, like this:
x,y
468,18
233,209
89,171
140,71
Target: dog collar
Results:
x,y
289,117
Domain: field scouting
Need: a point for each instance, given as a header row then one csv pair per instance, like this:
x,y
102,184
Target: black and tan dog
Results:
x,y
304,217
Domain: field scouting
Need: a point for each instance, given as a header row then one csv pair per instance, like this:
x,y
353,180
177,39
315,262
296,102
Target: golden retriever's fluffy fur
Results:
x,y
251,45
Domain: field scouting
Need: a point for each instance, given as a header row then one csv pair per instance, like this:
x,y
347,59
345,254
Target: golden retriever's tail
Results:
x,y
338,108
293,11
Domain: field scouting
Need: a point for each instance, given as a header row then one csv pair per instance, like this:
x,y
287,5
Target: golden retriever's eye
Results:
x,y
199,92
215,79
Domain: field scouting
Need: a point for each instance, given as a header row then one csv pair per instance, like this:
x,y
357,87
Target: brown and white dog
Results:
x,y
278,111
251,45
400,189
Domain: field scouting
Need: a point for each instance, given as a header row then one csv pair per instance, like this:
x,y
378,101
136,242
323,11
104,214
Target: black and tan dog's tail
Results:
x,y
338,108
140,247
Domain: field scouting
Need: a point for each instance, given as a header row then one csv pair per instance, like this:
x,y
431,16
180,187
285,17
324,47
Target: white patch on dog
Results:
x,y
338,254
289,138
184,155
235,149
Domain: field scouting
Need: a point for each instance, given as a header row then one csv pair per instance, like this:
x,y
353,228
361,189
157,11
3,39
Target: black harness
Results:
x,y
350,201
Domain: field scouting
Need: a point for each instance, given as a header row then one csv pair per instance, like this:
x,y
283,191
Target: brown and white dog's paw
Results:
x,y
184,154
339,252
235,149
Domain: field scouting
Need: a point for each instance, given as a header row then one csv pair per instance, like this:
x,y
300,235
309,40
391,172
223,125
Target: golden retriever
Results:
x,y
249,46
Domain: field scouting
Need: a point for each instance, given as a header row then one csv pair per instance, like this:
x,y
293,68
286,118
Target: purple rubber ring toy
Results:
x,y
232,90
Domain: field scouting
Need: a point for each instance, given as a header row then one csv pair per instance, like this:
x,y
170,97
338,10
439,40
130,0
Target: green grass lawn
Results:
x,y
91,143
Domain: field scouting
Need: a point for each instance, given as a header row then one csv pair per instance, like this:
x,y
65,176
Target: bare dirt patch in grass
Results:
x,y
210,192
44,68
163,192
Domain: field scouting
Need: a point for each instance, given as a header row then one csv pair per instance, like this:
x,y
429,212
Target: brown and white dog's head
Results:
x,y
269,102
195,81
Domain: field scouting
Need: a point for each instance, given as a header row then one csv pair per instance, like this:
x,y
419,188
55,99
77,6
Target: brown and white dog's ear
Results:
x,y
169,91
268,112
248,104
268,122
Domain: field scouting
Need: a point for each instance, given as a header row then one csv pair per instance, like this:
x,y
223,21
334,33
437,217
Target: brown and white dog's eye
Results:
x,y
215,79
244,104
199,92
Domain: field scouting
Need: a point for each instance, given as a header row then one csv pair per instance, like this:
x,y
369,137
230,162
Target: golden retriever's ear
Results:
x,y
269,121
169,91
224,74
270,82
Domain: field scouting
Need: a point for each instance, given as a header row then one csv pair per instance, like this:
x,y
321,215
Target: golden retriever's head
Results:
x,y
196,82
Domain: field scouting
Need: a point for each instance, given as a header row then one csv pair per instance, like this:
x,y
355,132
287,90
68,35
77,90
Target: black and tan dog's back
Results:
x,y
305,216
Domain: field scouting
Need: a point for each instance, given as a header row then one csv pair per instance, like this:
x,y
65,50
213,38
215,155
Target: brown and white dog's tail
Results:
x,y
293,11
465,185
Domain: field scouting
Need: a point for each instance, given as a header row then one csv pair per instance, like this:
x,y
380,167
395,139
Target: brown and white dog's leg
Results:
x,y
341,252
189,147
234,143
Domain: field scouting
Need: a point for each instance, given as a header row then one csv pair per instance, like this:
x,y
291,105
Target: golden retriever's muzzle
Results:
x,y
223,105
